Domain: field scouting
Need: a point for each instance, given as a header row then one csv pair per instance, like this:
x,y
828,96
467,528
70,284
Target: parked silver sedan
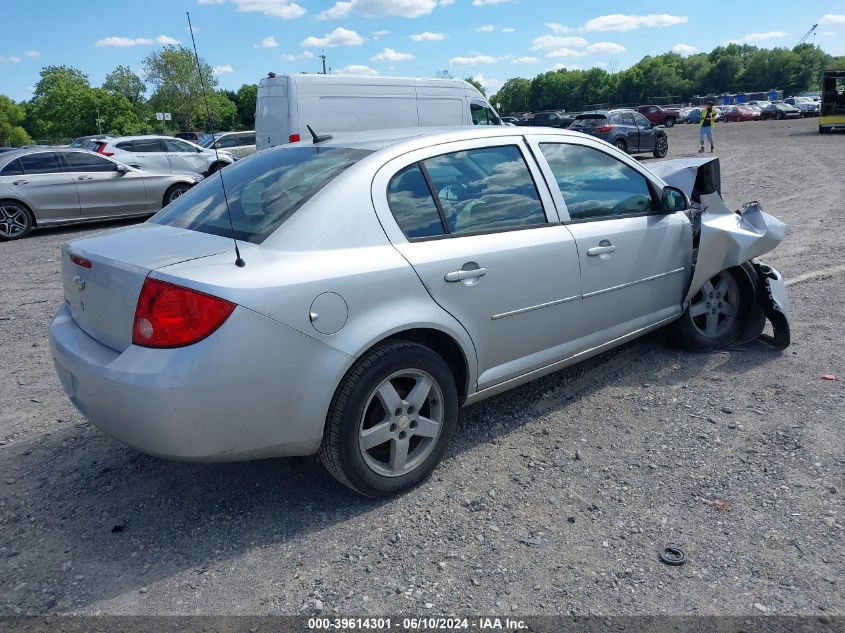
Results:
x,y
387,279
42,187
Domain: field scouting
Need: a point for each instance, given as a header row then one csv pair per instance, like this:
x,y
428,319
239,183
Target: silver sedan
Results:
x,y
386,279
42,187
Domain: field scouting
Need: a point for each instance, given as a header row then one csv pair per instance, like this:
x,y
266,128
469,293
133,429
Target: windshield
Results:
x,y
262,191
207,140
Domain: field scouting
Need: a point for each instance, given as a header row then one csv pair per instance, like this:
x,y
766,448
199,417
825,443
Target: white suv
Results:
x,y
164,152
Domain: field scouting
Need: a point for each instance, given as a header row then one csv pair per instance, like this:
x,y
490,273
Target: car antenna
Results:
x,y
239,262
318,138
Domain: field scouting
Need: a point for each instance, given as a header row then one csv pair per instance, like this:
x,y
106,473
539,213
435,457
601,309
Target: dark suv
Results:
x,y
630,131
553,118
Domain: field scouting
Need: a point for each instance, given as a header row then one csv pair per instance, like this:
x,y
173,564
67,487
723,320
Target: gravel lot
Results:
x,y
554,497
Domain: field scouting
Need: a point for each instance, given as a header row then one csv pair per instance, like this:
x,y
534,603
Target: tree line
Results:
x,y
65,104
728,69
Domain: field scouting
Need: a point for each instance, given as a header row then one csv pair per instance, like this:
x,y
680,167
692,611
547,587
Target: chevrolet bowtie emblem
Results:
x,y
80,283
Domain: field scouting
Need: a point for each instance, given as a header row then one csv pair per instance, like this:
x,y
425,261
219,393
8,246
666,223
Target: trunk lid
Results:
x,y
102,298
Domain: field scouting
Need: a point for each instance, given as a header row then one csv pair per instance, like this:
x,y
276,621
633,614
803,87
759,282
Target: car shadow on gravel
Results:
x,y
84,228
99,520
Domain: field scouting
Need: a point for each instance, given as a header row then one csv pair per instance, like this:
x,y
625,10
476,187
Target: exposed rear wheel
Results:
x,y
662,147
621,144
174,192
390,420
669,122
717,312
15,221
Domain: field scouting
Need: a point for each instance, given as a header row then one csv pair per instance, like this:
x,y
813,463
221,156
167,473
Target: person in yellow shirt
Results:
x,y
706,125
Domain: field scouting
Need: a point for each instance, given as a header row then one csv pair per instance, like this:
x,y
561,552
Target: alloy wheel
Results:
x,y
402,420
14,221
714,308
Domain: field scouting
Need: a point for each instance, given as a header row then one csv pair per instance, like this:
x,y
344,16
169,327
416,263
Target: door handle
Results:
x,y
601,250
85,178
461,275
19,182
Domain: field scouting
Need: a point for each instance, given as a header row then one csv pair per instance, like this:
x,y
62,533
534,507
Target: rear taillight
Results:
x,y
293,138
80,261
101,149
603,128
168,315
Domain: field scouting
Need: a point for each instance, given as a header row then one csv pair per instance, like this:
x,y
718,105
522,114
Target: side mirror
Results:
x,y
673,199
122,169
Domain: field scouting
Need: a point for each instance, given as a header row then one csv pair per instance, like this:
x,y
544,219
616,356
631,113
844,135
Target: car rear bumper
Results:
x,y
253,389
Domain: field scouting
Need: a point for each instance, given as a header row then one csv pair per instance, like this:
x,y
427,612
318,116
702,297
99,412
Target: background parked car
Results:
x,y
511,120
552,118
88,142
808,106
241,144
742,113
779,111
194,137
165,152
659,115
61,186
628,130
694,115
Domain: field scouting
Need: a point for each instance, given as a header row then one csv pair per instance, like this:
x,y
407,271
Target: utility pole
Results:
x,y
323,57
99,122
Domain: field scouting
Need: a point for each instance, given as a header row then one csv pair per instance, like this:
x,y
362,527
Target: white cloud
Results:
x,y
390,55
356,69
481,3
473,60
490,85
302,55
125,42
267,42
526,60
284,9
832,18
556,41
487,28
32,54
508,30
225,69
566,67
378,34
556,27
565,52
428,36
446,3
606,48
11,58
828,33
621,22
684,49
339,37
757,37
380,8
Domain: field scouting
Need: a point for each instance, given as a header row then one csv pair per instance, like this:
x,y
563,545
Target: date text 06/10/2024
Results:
x,y
416,624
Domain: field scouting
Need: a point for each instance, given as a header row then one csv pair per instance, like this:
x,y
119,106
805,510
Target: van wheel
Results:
x,y
621,144
390,420
717,312
15,221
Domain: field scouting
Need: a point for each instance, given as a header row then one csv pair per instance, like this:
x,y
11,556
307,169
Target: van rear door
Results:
x,y
273,113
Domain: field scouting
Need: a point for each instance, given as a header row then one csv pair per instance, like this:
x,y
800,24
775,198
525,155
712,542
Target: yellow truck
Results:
x,y
832,111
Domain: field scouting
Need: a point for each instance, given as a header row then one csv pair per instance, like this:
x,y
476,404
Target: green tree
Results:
x,y
477,85
12,116
247,98
513,95
123,81
58,107
178,84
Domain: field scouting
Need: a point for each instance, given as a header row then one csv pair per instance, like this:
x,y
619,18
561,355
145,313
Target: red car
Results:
x,y
742,113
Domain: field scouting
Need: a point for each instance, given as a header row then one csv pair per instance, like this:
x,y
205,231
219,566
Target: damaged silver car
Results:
x,y
385,279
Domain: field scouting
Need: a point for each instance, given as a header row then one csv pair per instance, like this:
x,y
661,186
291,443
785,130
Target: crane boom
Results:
x,y
807,34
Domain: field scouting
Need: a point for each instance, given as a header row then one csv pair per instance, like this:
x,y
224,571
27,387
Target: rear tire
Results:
x,y
662,147
717,313
390,420
16,221
174,192
621,144
669,122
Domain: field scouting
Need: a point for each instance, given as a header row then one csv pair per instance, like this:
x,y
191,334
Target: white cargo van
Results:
x,y
333,103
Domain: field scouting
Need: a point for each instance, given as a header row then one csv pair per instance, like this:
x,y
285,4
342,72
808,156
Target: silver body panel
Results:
x,y
261,385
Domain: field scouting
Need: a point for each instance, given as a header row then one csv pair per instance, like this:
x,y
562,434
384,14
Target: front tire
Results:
x,y
390,420
717,313
662,147
15,221
669,122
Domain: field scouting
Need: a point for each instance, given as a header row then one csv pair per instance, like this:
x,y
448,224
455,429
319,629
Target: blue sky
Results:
x,y
491,40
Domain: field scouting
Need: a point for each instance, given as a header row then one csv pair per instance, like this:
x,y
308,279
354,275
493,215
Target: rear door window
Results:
x,y
41,163
80,161
147,146
485,189
596,185
262,192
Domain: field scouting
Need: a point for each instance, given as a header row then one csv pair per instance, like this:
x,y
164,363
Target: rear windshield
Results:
x,y
262,191
591,120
